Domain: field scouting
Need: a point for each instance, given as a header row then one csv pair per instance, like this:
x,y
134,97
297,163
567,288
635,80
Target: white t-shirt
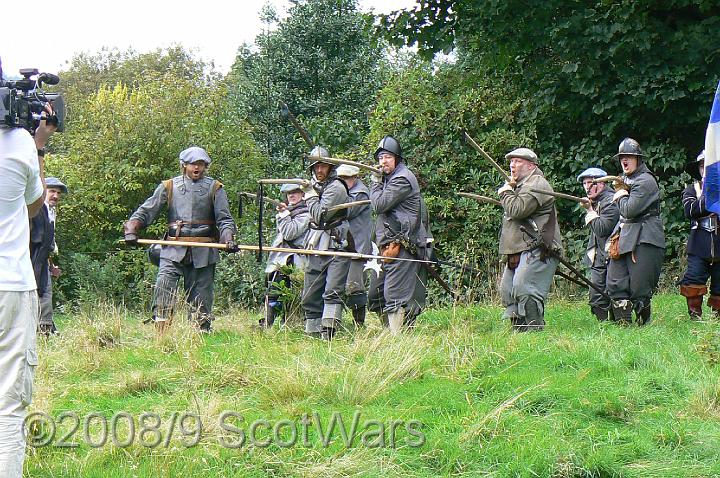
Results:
x,y
20,185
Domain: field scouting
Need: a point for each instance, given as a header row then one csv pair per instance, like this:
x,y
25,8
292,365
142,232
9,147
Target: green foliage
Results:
x,y
324,63
584,76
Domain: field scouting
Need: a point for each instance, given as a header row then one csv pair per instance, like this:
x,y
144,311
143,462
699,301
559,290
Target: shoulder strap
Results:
x,y
169,190
216,185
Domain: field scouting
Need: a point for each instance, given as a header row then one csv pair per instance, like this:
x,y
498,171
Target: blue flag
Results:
x,y
711,182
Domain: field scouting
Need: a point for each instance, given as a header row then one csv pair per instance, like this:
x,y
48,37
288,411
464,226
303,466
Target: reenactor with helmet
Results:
x,y
324,286
198,211
637,246
399,232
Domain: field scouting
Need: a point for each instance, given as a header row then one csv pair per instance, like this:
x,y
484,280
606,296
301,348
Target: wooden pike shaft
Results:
x,y
348,205
274,202
307,252
301,182
325,159
607,179
560,195
480,198
477,148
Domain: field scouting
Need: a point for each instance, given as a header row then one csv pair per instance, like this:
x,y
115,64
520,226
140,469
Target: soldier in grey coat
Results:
x,y
359,221
529,270
293,220
198,211
399,232
634,272
601,217
324,287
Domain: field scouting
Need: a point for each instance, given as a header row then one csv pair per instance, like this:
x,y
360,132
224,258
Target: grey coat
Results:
x,y
191,201
331,192
602,226
359,218
640,221
397,202
522,207
292,232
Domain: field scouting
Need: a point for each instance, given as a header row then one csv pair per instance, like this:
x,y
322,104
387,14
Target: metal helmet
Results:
x,y
290,187
631,147
194,154
318,151
591,173
347,170
153,253
391,145
523,153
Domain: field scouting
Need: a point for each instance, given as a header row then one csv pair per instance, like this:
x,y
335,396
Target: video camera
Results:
x,y
22,102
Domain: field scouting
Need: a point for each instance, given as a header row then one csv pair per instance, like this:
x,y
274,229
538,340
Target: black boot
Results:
x,y
599,312
269,319
359,316
642,313
622,312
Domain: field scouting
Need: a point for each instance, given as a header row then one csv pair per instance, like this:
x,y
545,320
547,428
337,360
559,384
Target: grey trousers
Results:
x,y
198,284
635,280
46,307
323,292
395,286
530,281
355,285
598,276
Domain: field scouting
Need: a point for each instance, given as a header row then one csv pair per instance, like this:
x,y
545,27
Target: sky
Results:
x,y
67,27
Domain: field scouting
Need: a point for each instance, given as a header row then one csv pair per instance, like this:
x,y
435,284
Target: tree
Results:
x,y
323,61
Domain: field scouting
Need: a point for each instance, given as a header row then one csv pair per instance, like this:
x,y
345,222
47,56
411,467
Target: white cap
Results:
x,y
347,170
523,153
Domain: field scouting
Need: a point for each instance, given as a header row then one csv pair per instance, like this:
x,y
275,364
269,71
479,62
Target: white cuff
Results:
x,y
283,214
620,193
310,194
590,216
505,188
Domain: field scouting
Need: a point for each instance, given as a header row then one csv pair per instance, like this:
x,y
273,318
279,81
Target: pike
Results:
x,y
348,205
307,252
477,148
285,111
326,159
480,198
569,197
299,182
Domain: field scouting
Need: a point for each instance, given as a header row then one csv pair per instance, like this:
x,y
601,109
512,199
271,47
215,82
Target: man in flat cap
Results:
x,y
529,269
361,230
198,211
601,216
42,247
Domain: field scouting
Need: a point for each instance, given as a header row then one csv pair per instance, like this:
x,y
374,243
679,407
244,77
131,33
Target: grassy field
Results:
x,y
460,396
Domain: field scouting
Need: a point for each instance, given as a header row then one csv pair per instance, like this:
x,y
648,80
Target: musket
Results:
x,y
480,198
569,197
326,159
477,148
285,111
536,241
348,205
306,252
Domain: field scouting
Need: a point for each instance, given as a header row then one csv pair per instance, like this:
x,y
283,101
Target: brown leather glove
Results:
x,y
131,229
618,185
227,238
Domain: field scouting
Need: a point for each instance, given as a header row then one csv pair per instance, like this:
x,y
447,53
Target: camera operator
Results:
x,y
22,194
